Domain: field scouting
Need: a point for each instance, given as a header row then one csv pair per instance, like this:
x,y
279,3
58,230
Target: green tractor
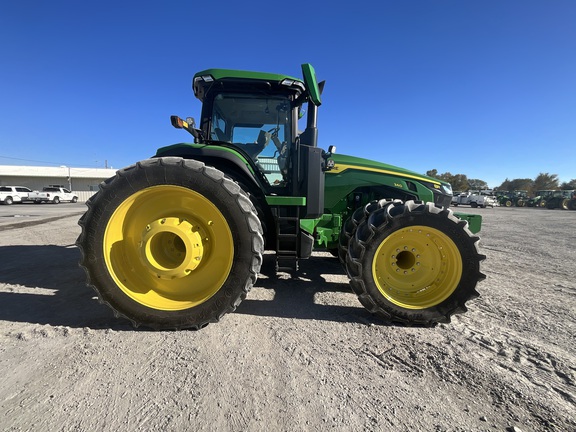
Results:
x,y
176,241
562,199
539,200
517,198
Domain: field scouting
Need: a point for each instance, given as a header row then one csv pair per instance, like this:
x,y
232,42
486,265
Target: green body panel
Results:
x,y
275,200
367,164
350,173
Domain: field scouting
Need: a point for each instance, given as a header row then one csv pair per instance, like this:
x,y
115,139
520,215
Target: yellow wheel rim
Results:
x,y
168,248
417,267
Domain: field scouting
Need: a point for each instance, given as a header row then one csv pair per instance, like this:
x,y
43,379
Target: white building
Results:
x,y
83,181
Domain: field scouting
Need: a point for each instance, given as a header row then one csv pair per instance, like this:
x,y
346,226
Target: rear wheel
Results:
x,y
414,263
56,200
8,201
171,243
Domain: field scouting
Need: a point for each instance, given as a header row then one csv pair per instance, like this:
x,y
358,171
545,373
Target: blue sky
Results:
x,y
482,88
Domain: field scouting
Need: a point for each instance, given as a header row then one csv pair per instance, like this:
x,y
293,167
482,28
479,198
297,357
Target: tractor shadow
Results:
x,y
43,284
297,296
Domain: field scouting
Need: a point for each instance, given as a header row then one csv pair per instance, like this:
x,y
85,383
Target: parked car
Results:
x,y
53,194
14,194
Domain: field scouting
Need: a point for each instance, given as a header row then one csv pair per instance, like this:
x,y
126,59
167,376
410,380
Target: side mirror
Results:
x,y
189,125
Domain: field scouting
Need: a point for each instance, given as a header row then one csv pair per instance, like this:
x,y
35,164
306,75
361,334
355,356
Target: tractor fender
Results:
x,y
233,164
215,155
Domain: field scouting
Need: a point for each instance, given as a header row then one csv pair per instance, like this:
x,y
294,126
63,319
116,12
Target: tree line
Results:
x,y
543,181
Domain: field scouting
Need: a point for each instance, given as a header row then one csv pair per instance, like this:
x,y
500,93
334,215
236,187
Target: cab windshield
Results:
x,y
261,125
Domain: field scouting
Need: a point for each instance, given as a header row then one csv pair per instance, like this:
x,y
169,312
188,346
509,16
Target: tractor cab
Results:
x,y
256,118
251,111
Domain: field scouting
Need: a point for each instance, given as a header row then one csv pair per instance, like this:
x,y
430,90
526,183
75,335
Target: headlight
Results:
x,y
446,188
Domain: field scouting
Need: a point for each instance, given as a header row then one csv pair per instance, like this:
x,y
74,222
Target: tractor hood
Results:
x,y
344,162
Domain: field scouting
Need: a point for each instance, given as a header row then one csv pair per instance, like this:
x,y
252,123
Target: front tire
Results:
x,y
349,227
171,243
414,263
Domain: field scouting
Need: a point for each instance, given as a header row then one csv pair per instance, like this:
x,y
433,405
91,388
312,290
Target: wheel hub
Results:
x,y
417,267
171,248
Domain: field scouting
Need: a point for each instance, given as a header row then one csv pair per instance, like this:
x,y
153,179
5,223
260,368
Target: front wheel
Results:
x,y
171,243
414,263
349,227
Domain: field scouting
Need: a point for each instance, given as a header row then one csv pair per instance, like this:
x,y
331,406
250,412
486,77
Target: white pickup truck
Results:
x,y
53,194
474,199
14,194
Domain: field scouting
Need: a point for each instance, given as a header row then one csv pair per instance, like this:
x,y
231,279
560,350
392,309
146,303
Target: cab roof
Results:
x,y
204,79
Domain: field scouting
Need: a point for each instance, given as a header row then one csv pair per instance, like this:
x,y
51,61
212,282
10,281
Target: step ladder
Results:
x,y
287,239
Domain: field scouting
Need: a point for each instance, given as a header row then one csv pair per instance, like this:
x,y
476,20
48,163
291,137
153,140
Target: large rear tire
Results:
x,y
171,243
414,263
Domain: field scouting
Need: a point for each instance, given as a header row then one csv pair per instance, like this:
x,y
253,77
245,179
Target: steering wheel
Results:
x,y
273,133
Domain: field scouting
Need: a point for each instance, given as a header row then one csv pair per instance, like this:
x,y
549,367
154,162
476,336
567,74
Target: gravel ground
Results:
x,y
298,354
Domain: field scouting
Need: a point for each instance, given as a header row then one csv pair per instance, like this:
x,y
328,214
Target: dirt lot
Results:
x,y
298,354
